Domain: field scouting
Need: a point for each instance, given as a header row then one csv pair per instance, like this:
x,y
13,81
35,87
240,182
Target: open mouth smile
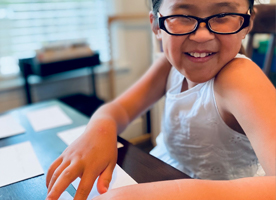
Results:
x,y
199,55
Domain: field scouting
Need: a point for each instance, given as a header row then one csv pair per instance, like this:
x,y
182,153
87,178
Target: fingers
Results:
x,y
67,176
104,179
56,174
52,169
85,186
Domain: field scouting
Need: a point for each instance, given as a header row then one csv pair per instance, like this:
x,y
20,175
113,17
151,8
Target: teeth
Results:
x,y
199,55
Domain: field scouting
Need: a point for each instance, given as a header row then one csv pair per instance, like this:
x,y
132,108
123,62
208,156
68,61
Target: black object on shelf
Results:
x,y
47,69
86,104
83,103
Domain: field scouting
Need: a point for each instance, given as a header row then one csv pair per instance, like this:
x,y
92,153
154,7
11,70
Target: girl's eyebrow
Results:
x,y
231,5
181,6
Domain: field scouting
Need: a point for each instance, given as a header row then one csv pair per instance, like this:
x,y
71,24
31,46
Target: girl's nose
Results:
x,y
202,34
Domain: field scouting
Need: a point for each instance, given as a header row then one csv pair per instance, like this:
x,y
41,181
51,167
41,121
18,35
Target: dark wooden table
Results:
x,y
48,146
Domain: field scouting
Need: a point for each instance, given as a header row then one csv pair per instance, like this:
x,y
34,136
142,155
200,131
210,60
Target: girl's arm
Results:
x,y
243,90
256,188
94,153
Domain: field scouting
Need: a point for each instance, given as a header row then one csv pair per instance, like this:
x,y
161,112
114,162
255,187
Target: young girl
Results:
x,y
219,118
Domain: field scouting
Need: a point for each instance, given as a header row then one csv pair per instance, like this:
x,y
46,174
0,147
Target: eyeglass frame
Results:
x,y
161,20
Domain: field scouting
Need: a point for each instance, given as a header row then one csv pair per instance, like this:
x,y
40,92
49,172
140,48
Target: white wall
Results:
x,y
133,39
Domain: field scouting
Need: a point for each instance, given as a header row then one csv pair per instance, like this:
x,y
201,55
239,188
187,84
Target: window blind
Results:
x,y
28,24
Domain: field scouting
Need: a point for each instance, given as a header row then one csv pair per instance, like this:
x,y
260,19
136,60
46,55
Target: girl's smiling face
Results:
x,y
223,48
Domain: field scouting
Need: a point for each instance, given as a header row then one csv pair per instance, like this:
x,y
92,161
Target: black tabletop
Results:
x,y
48,146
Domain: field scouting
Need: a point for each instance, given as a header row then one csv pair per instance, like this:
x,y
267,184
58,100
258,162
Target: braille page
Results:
x,y
18,162
119,179
65,196
48,118
70,135
9,126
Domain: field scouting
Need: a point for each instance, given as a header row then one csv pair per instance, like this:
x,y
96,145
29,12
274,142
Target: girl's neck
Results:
x,y
187,84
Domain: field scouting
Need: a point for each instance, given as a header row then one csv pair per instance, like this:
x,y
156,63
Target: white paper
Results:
x,y
69,136
48,118
119,179
65,196
18,162
9,126
119,145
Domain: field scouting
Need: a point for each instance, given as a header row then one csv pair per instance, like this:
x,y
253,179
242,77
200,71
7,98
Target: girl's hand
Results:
x,y
93,154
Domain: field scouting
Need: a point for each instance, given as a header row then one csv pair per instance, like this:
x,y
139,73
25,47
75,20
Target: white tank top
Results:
x,y
195,139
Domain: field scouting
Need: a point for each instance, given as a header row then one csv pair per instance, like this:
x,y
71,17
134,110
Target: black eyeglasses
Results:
x,y
224,23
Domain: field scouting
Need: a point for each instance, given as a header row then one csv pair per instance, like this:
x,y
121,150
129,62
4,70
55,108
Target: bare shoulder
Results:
x,y
241,87
242,75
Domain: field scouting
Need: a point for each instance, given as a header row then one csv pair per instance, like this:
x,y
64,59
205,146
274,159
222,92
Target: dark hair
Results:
x,y
157,3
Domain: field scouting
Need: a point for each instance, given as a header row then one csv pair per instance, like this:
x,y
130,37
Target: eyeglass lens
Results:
x,y
220,24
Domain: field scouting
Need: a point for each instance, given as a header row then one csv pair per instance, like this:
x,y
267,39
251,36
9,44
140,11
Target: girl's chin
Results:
x,y
198,79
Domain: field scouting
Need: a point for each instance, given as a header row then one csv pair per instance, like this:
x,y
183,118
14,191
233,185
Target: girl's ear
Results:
x,y
252,17
154,26
251,24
